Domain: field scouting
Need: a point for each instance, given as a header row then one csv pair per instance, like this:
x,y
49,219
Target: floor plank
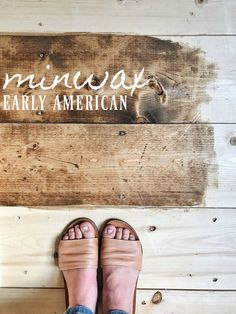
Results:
x,y
145,17
192,78
191,302
167,165
47,301
184,248
32,301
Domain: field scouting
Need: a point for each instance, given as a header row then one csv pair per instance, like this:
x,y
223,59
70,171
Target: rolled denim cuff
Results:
x,y
117,312
78,309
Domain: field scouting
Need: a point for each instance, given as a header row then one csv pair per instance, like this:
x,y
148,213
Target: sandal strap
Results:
x,y
121,253
82,253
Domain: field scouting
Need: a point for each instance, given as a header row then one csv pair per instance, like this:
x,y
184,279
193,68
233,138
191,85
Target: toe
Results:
x,y
118,233
71,233
66,237
78,233
87,230
131,237
125,235
109,232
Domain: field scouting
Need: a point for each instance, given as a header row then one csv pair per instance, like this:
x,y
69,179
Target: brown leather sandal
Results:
x,y
78,253
122,252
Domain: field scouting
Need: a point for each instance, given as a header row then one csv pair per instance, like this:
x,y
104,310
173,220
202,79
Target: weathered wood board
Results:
x,y
184,248
168,165
48,301
192,78
144,17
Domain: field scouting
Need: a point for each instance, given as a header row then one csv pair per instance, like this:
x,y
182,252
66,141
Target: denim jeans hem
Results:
x,y
79,309
117,312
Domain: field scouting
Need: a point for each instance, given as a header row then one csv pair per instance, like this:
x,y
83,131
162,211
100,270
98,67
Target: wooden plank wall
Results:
x,y
183,17
184,159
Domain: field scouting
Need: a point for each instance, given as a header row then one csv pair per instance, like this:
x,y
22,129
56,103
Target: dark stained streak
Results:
x,y
180,71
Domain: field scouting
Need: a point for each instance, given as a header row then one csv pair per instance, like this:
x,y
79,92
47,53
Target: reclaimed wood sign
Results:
x,y
101,79
112,79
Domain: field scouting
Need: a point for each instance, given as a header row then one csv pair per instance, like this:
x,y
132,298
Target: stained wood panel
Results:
x,y
184,248
192,79
47,301
146,17
170,165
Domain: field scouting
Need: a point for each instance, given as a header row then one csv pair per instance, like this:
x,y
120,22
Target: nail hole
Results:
x,y
39,113
122,133
233,140
42,55
157,297
122,196
214,219
215,279
40,24
152,228
143,303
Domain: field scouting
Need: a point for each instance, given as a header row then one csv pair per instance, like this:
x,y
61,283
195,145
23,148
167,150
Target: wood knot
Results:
x,y
157,297
152,228
233,141
158,88
200,2
35,146
95,81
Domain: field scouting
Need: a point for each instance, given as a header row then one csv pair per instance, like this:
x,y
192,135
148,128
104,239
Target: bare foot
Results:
x,y
119,283
81,283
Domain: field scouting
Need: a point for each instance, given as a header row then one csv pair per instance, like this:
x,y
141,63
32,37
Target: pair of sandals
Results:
x,y
83,253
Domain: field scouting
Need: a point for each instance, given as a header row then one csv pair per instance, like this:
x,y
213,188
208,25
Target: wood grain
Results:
x,y
170,165
192,81
184,248
144,17
47,301
192,302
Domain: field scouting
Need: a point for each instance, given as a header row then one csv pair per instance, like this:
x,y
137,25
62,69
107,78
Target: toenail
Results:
x,y
110,230
85,227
